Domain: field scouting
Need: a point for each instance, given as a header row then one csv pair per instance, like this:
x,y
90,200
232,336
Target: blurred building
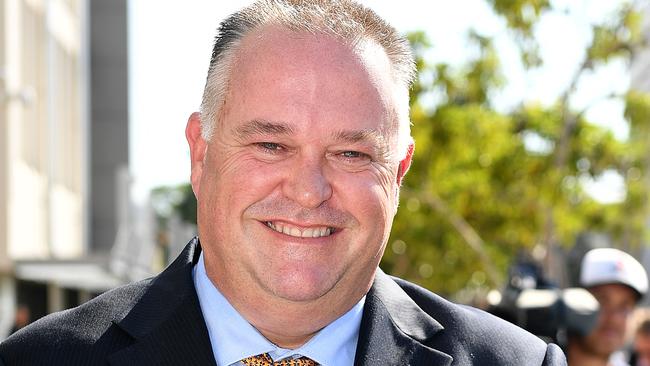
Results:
x,y
640,67
640,80
66,221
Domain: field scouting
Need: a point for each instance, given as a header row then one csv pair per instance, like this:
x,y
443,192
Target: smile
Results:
x,y
312,232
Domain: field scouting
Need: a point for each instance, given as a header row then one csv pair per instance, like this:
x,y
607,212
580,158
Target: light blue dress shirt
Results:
x,y
234,339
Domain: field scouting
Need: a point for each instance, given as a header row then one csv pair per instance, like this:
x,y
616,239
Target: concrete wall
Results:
x,y
109,115
4,150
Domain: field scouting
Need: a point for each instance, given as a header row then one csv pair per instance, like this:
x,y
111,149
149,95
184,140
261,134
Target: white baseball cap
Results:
x,y
608,265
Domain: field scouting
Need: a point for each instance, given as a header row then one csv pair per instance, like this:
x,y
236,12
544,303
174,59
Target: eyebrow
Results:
x,y
263,127
356,136
372,137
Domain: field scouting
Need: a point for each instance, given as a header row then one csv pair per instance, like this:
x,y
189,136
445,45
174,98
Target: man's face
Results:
x,y
616,304
298,188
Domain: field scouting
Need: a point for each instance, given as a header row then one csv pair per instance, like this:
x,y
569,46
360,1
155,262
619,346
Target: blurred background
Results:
x,y
531,117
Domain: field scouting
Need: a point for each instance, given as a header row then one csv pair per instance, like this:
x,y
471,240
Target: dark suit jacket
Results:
x,y
159,322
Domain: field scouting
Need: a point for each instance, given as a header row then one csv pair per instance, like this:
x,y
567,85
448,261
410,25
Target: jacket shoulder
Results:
x,y
473,336
88,326
114,322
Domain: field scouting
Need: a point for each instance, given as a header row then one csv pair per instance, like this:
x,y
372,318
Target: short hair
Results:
x,y
346,20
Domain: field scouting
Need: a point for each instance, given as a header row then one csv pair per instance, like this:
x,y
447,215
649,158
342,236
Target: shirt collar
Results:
x,y
233,338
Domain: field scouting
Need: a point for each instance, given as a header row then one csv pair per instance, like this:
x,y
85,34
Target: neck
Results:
x,y
579,356
287,323
290,324
286,340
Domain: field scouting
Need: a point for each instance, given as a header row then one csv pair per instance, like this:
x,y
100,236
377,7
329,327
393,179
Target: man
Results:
x,y
297,156
618,282
641,345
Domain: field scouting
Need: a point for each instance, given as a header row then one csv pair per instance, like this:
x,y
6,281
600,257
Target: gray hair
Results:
x,y
346,20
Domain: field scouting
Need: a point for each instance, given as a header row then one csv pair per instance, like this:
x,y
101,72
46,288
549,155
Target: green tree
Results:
x,y
486,185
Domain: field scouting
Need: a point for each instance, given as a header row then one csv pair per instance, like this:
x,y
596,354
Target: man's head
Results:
x,y
346,21
298,155
617,281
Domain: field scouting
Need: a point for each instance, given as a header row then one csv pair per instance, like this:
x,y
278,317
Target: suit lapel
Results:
x,y
167,324
394,330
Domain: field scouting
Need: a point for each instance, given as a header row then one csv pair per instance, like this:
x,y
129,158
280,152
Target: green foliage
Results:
x,y
472,83
485,185
637,111
521,17
176,200
618,38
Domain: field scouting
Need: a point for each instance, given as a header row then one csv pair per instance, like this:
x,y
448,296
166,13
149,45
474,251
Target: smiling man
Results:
x,y
297,157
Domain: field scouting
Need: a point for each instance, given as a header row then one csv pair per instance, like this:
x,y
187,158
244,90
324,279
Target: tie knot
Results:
x,y
265,360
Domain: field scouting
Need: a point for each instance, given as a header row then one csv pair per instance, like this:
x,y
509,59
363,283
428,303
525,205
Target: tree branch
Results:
x,y
466,231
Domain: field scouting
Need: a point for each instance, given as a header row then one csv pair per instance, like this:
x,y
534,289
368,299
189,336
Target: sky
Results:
x,y
170,43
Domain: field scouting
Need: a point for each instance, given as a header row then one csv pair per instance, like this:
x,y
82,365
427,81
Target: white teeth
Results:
x,y
316,232
309,233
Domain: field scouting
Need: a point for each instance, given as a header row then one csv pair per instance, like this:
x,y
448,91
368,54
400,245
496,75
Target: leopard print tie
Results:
x,y
265,360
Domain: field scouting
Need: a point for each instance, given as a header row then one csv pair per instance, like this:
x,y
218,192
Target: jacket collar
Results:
x,y
395,330
168,308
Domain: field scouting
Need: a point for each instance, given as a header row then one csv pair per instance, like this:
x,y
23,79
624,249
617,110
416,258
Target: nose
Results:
x,y
307,183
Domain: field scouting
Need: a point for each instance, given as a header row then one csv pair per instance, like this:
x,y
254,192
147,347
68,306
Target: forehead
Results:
x,y
274,43
613,292
311,77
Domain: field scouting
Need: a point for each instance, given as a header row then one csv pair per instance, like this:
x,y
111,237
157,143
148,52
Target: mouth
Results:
x,y
291,230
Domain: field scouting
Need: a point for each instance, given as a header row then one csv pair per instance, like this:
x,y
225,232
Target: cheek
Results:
x,y
386,190
386,177
369,196
230,184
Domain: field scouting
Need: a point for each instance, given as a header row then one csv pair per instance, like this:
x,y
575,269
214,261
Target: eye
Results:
x,y
354,155
270,146
351,159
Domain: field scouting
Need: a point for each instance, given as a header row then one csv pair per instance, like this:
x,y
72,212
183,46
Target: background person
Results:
x,y
641,345
618,282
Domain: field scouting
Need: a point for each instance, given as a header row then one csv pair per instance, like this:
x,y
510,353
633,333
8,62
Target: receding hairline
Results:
x,y
351,23
369,56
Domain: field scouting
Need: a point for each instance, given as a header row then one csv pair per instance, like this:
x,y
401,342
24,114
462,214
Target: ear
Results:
x,y
405,164
198,147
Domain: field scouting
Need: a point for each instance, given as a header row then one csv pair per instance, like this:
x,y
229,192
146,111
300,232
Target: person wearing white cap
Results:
x,y
618,282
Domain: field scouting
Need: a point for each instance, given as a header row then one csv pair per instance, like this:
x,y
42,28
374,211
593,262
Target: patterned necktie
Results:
x,y
265,360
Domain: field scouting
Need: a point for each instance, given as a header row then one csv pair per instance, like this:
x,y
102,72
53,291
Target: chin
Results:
x,y
300,294
302,286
